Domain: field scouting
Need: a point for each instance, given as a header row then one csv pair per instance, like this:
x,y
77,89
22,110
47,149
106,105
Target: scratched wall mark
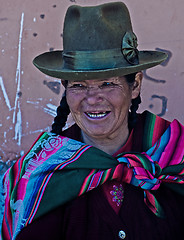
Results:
x,y
49,109
18,126
17,119
47,129
17,110
11,157
7,101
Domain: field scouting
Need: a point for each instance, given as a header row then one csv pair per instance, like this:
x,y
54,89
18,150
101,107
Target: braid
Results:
x,y
132,119
61,118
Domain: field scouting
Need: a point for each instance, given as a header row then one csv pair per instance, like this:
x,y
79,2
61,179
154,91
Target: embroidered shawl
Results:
x,y
57,169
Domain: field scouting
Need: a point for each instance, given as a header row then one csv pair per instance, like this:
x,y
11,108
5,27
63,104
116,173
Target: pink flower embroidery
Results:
x,y
118,194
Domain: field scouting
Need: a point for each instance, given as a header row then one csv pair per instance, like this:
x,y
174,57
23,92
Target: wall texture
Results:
x,y
28,98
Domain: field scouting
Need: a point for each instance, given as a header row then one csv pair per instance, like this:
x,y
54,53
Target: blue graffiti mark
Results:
x,y
164,104
169,53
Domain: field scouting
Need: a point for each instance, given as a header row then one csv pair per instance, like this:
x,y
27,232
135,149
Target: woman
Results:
x,y
114,174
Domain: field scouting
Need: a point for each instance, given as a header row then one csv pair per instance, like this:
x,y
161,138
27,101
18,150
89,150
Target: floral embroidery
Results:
x,y
118,194
52,142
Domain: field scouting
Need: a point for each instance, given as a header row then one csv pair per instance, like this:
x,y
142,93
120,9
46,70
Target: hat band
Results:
x,y
94,60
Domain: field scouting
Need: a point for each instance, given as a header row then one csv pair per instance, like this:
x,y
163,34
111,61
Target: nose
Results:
x,y
93,96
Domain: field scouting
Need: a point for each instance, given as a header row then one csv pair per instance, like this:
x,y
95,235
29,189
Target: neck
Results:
x,y
109,145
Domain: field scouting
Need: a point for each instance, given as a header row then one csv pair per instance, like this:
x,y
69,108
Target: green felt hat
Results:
x,y
98,42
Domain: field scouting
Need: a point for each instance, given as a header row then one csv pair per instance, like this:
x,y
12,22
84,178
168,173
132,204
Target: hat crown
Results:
x,y
95,28
98,42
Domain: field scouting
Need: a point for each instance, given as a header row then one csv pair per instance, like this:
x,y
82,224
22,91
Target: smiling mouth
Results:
x,y
97,115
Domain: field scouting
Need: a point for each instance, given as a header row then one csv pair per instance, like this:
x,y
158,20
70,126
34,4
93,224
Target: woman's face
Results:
x,y
100,107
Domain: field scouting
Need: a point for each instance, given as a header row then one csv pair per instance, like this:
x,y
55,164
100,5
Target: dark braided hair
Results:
x,y
63,109
132,118
61,117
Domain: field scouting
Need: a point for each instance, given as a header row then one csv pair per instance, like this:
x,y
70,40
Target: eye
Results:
x,y
108,84
77,86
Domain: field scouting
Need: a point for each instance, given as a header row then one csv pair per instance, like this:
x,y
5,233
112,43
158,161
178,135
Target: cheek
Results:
x,y
121,100
73,102
70,100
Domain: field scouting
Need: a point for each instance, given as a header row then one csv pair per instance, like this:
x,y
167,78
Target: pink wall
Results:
x,y
28,98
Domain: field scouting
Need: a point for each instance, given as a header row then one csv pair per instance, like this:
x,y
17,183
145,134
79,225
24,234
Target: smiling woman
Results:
x,y
101,110
114,174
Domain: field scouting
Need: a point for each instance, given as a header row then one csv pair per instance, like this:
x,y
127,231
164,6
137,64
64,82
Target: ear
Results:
x,y
137,85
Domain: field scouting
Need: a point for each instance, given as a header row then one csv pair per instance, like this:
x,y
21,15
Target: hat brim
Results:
x,y
51,63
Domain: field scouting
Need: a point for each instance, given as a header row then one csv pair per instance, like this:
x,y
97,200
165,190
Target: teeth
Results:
x,y
97,115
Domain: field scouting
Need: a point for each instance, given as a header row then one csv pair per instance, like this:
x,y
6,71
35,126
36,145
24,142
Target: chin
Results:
x,y
97,134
